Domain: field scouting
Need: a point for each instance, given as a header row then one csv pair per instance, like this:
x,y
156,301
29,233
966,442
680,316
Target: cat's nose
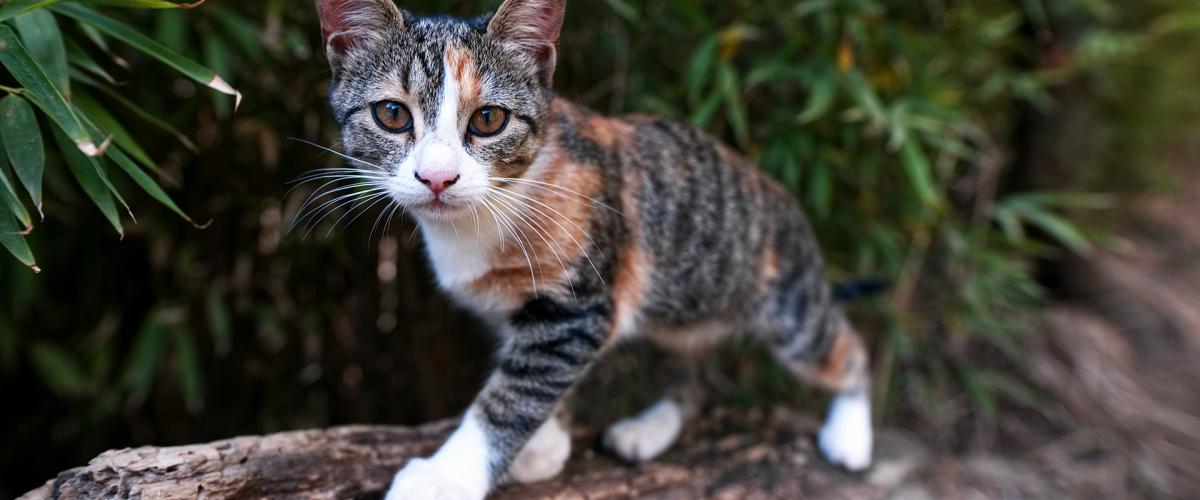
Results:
x,y
437,181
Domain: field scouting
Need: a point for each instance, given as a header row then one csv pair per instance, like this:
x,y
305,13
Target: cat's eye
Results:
x,y
392,116
488,121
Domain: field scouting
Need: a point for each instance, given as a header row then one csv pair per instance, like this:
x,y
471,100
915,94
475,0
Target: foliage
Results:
x,y
34,51
904,127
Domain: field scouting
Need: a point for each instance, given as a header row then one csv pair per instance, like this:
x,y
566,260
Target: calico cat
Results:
x,y
569,231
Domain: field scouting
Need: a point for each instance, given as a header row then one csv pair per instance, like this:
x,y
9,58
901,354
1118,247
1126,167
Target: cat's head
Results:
x,y
446,107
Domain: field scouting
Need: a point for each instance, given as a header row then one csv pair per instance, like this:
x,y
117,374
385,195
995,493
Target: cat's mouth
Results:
x,y
440,208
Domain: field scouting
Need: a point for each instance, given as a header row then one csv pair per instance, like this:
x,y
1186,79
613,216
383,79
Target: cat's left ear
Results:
x,y
534,26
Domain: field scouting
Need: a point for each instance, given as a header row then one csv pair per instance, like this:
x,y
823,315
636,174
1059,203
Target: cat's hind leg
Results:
x,y
648,434
820,347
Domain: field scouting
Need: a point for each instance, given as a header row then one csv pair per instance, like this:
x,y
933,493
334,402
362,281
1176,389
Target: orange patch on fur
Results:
x,y
607,132
552,231
635,266
770,266
844,366
461,64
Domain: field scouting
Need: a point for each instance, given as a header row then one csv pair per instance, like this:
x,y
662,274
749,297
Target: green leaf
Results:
x,y
191,377
57,369
735,107
8,194
1060,229
149,46
919,172
622,8
13,8
13,241
145,182
146,116
143,4
22,139
42,91
820,99
146,355
109,125
90,174
698,70
39,32
81,59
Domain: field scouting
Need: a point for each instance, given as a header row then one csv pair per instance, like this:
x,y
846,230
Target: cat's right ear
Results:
x,y
348,24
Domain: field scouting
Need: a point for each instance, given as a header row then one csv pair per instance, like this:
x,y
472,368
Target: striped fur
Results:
x,y
570,229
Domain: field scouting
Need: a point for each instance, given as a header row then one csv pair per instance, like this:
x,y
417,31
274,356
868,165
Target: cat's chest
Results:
x,y
465,255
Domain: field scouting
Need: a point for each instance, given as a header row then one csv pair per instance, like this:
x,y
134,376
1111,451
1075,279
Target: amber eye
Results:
x,y
392,116
488,121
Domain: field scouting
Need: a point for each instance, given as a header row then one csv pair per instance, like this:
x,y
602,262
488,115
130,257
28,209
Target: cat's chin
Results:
x,y
440,211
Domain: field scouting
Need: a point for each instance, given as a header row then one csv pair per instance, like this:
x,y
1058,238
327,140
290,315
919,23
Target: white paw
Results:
x,y
846,438
544,456
421,480
647,435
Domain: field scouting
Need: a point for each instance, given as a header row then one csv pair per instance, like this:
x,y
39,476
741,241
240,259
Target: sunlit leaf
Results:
x,y
149,46
43,92
39,32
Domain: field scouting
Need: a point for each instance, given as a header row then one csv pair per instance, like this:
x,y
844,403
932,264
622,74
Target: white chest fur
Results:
x,y
460,252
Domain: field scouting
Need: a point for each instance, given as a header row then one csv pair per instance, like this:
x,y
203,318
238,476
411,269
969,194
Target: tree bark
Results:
x,y
725,454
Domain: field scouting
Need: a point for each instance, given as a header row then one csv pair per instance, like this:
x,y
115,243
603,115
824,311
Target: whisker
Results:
x,y
551,187
538,229
336,152
582,249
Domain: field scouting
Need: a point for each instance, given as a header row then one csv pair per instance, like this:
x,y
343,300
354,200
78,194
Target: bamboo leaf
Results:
x,y
144,4
8,194
14,8
23,146
57,369
109,125
42,91
191,378
146,355
39,32
919,172
735,107
145,182
820,99
79,57
88,171
147,116
149,46
13,241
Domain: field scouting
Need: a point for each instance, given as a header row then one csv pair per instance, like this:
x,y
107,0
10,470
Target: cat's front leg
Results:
x,y
550,345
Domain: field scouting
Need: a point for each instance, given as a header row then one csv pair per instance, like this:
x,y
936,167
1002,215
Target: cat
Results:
x,y
569,231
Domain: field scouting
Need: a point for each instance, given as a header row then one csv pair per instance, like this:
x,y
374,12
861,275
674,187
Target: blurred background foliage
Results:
x,y
955,148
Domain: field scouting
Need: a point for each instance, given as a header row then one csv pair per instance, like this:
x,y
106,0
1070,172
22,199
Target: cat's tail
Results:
x,y
858,289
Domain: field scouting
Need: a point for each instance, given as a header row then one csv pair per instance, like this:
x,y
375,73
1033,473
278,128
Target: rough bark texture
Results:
x,y
728,454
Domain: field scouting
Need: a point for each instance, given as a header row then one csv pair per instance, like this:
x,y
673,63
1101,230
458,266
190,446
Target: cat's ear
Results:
x,y
533,25
346,24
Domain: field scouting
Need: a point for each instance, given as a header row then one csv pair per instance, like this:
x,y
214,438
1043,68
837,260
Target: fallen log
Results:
x,y
726,454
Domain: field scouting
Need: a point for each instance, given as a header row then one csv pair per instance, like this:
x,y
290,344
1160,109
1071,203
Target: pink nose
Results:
x,y
437,181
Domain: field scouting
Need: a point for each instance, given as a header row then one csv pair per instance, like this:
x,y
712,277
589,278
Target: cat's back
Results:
x,y
710,226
